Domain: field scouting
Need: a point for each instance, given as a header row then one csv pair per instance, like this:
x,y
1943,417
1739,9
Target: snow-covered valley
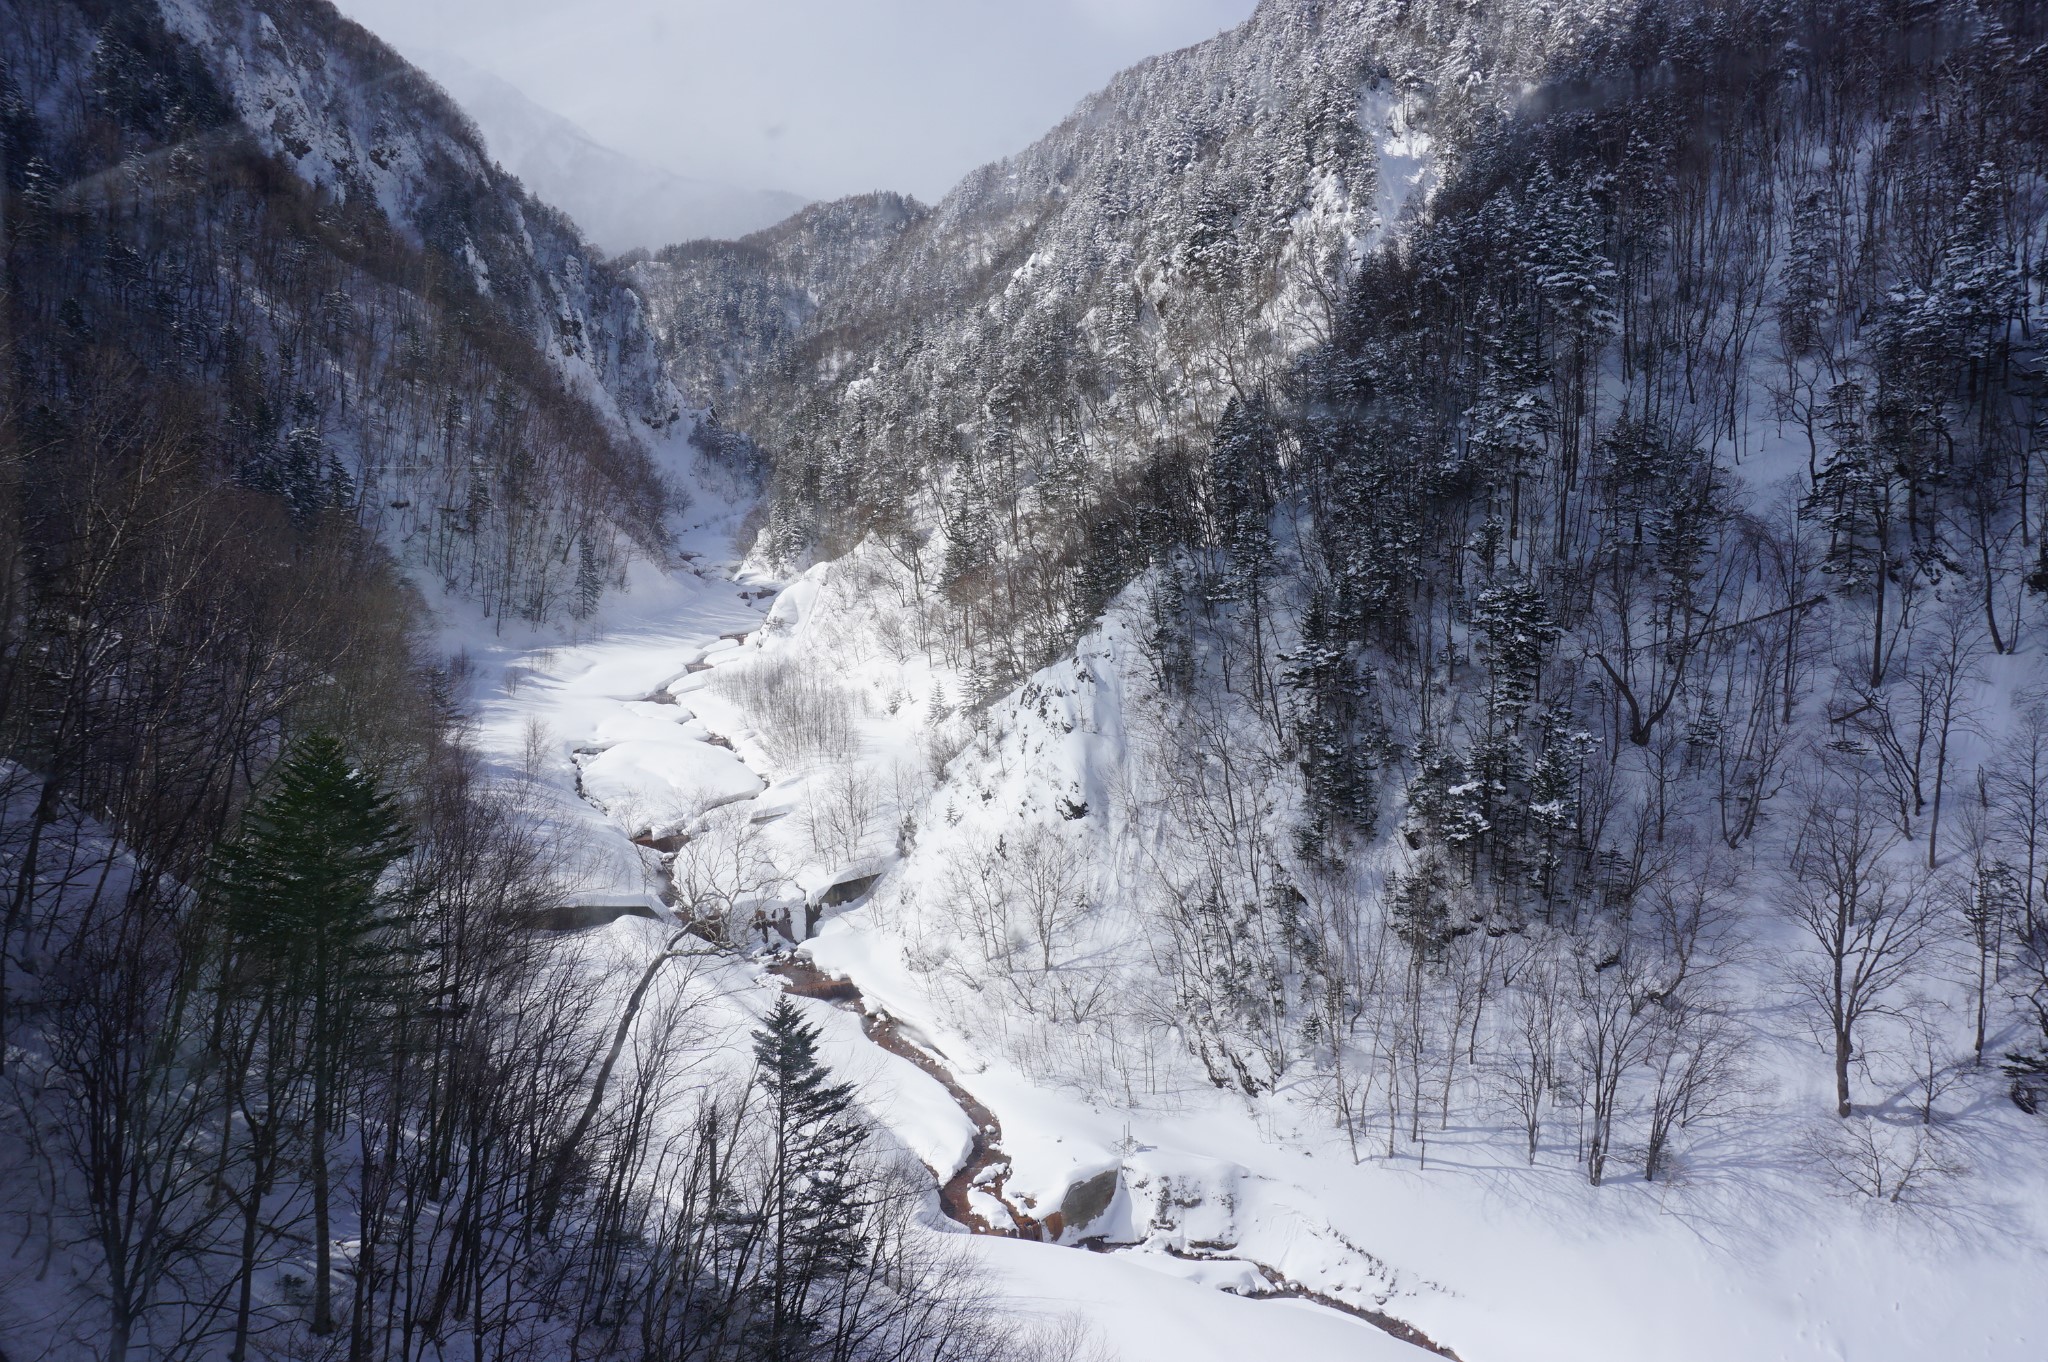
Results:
x,y
1221,1212
1388,697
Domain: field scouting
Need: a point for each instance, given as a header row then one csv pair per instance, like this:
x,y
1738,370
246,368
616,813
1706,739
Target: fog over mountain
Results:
x,y
820,97
620,202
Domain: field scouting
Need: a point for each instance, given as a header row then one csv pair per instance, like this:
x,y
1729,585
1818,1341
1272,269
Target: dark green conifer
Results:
x,y
312,926
817,1198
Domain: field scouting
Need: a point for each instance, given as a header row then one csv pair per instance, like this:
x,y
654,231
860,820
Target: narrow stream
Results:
x,y
987,1166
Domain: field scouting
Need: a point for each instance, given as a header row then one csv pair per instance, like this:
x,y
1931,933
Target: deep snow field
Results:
x,y
1743,1255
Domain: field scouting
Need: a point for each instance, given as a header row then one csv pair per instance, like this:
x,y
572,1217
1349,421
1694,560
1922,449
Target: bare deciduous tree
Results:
x,y
1045,883
1612,1018
1946,675
845,814
2017,783
1904,1166
724,874
1865,918
1695,1061
1526,1068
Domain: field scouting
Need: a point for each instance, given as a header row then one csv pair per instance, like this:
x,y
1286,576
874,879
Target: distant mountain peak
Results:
x,y
620,201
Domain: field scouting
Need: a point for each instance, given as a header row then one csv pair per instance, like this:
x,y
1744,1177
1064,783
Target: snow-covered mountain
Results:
x,y
622,203
309,237
1099,296
1389,532
726,311
1386,700
353,120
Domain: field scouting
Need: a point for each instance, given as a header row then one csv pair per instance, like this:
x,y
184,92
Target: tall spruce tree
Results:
x,y
816,1198
1242,459
314,930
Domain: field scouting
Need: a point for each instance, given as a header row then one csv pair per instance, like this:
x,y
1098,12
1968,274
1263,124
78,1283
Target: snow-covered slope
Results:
x,y
1087,1069
265,209
352,118
727,312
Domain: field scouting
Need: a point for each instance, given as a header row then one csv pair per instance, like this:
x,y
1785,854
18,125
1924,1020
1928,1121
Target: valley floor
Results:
x,y
1216,1197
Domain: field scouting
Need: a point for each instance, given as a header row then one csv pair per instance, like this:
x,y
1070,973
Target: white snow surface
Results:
x,y
1743,1257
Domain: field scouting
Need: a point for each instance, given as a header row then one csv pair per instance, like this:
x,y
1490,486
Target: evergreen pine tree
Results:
x,y
1242,461
1565,254
1859,494
1516,630
1337,731
1420,904
815,1200
1808,274
1980,286
1554,798
1443,803
970,536
300,889
589,579
1507,425
298,467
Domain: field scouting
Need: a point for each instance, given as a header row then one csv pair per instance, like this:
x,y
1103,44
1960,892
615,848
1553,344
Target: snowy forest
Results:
x,y
1386,698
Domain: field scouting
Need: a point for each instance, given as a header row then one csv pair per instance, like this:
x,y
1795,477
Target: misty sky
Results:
x,y
822,97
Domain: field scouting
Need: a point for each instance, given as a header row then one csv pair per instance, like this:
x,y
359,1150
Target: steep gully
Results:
x,y
986,1167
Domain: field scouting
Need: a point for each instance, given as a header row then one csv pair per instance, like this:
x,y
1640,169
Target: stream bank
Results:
x,y
986,1167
